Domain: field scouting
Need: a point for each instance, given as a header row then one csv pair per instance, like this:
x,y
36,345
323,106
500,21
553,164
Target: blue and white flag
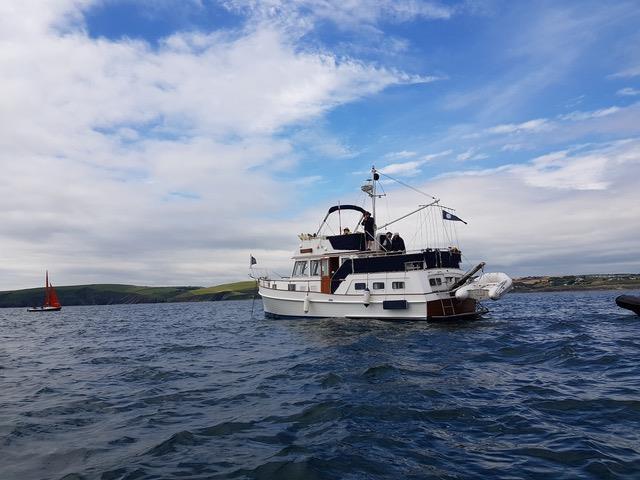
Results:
x,y
450,216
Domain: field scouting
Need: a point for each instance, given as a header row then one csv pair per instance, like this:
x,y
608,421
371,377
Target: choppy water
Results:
x,y
546,387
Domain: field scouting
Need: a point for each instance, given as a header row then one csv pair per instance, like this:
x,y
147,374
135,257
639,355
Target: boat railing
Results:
x,y
286,281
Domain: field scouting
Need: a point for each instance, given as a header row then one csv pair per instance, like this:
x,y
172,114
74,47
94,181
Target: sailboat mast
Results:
x,y
46,289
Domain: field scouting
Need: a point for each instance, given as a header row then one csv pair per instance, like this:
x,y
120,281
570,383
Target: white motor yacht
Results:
x,y
347,276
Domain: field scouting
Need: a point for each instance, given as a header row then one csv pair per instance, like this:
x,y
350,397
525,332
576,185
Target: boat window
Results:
x,y
292,287
378,285
314,269
300,268
397,285
435,281
360,286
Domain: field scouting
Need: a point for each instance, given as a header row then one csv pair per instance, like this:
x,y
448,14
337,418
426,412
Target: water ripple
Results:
x,y
545,387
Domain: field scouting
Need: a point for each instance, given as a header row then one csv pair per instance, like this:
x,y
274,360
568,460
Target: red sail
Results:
x,y
53,297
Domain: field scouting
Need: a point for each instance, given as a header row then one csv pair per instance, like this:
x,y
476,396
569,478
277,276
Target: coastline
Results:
x,y
117,294
577,283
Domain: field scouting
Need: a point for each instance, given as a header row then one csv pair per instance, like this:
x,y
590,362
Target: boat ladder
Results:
x,y
447,307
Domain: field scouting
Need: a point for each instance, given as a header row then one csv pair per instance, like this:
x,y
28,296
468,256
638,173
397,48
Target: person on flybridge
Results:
x,y
369,225
397,243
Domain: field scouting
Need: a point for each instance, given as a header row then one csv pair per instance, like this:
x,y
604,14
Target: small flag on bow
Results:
x,y
252,260
450,216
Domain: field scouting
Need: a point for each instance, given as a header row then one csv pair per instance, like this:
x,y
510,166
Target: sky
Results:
x,y
160,142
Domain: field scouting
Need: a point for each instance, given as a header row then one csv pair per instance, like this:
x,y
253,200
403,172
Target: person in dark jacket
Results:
x,y
386,242
369,225
397,243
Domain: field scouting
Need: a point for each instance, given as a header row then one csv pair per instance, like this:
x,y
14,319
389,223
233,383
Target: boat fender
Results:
x,y
366,297
462,293
306,304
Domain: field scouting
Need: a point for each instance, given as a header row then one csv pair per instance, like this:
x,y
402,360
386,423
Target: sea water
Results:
x,y
546,386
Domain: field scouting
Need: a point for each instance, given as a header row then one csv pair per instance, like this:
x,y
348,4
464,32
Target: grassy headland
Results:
x,y
614,281
107,294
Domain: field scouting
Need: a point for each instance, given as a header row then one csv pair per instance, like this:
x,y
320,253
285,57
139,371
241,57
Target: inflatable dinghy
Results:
x,y
487,286
629,302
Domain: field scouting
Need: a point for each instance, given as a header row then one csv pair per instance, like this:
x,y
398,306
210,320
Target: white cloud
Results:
x,y
130,164
433,156
471,154
627,73
580,116
558,170
542,51
536,125
411,168
401,154
464,156
307,181
566,212
513,147
406,168
628,91
350,14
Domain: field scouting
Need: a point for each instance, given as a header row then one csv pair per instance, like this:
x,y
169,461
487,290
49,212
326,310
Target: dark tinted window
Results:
x,y
397,285
315,268
378,285
360,286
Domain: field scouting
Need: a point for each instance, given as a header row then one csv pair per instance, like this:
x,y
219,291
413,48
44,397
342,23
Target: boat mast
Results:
x,y
46,289
370,189
374,174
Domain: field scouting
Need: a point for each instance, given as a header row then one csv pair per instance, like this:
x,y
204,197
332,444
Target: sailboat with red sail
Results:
x,y
51,302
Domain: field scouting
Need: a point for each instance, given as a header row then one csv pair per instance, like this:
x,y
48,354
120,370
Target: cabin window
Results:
x,y
360,286
300,269
435,281
314,269
292,287
378,285
397,285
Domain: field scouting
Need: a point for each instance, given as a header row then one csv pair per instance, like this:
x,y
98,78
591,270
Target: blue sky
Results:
x,y
160,141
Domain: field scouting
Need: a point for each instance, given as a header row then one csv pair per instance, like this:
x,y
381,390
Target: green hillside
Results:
x,y
107,294
227,291
613,281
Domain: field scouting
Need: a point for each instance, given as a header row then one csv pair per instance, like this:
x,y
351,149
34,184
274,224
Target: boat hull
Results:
x,y
629,302
419,307
44,309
